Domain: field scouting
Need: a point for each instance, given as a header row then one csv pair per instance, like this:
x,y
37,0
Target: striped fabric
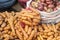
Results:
x,y
53,17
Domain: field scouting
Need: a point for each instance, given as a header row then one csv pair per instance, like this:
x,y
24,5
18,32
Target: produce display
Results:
x,y
49,10
46,5
25,25
30,17
49,32
13,26
30,23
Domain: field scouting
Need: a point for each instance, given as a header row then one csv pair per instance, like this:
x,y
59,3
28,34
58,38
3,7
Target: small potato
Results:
x,y
49,10
16,39
29,31
32,35
3,25
1,22
6,28
35,20
50,38
3,15
15,21
45,26
5,32
45,4
40,8
1,29
27,22
55,9
41,37
34,23
49,2
26,28
9,32
51,6
23,24
42,1
58,37
34,4
58,3
45,8
56,34
38,38
44,36
50,33
24,18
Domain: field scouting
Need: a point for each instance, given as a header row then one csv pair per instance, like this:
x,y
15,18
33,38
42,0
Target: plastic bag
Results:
x,y
52,17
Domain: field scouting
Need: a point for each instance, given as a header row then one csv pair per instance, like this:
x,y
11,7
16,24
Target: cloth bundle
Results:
x,y
6,3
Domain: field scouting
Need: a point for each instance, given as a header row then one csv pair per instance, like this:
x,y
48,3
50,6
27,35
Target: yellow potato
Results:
x,y
26,28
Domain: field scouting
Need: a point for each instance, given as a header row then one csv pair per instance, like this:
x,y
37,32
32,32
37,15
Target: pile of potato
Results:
x,y
46,5
29,17
7,26
48,32
19,25
25,26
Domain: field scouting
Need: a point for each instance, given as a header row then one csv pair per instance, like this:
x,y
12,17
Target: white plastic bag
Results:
x,y
52,17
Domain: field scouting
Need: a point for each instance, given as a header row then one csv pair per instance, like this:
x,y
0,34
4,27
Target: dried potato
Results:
x,y
19,35
26,28
31,31
32,34
3,25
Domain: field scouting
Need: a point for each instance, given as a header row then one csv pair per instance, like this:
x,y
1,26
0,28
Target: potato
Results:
x,y
49,2
43,5
40,8
55,9
55,1
49,10
42,1
58,3
51,6
22,24
45,9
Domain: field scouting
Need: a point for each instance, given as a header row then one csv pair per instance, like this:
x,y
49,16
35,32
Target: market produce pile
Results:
x,y
46,5
25,25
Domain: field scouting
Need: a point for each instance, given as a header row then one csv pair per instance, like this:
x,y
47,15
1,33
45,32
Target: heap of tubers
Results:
x,y
46,5
25,25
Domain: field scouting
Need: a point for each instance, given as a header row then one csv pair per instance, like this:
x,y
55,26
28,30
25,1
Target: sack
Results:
x,y
52,17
